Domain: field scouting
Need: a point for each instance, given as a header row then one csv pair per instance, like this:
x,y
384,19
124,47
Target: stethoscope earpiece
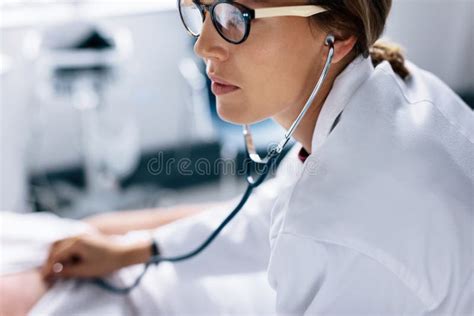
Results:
x,y
330,39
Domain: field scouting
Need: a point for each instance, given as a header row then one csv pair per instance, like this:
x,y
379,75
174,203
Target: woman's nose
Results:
x,y
210,45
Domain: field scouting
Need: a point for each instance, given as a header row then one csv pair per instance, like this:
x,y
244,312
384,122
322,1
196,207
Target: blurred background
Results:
x,y
105,107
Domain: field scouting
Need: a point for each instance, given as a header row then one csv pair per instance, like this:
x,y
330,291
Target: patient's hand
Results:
x,y
88,256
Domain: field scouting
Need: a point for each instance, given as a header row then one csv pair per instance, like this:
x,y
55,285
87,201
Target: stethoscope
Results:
x,y
267,164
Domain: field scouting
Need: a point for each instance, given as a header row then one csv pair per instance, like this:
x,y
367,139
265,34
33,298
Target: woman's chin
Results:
x,y
233,116
239,114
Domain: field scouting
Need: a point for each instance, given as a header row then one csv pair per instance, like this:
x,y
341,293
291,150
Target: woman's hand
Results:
x,y
87,256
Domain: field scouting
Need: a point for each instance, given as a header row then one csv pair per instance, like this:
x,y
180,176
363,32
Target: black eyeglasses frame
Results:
x,y
248,15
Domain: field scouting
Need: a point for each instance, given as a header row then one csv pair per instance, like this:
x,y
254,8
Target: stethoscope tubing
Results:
x,y
253,183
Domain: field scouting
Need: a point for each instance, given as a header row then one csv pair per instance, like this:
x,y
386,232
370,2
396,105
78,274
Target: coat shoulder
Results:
x,y
394,181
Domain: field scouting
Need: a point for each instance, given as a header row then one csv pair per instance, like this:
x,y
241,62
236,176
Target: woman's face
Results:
x,y
274,70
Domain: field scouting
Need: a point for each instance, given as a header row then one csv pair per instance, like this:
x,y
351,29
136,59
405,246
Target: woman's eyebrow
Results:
x,y
255,1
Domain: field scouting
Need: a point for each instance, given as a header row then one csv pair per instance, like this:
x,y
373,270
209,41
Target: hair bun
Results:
x,y
383,51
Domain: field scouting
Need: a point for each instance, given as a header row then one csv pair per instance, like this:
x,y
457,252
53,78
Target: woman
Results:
x,y
378,219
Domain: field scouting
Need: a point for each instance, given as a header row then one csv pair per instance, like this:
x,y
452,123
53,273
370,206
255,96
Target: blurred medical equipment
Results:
x,y
79,63
265,164
13,177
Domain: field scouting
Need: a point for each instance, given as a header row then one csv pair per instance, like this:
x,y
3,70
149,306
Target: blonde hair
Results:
x,y
364,19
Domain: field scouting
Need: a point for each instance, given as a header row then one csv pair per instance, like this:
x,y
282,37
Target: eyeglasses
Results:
x,y
232,19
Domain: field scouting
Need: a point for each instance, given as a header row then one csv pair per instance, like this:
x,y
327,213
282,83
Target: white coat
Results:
x,y
377,221
380,219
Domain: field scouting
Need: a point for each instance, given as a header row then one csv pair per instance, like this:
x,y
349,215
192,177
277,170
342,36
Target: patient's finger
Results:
x,y
75,270
53,270
47,266
60,253
59,243
58,270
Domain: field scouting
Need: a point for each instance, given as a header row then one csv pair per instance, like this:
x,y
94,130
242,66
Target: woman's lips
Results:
x,y
221,87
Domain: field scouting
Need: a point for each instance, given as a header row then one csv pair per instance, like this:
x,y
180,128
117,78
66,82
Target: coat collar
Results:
x,y
344,87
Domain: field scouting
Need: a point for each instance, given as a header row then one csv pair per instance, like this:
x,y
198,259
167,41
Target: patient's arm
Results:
x,y
16,298
116,223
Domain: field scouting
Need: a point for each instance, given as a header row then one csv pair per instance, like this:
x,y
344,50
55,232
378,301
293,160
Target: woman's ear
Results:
x,y
343,47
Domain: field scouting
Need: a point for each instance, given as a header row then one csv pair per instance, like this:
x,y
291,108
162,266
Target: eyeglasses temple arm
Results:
x,y
302,11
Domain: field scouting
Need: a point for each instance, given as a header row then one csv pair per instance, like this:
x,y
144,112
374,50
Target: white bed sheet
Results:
x,y
165,290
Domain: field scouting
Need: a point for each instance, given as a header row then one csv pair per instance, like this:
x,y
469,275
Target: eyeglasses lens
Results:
x,y
191,16
228,20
